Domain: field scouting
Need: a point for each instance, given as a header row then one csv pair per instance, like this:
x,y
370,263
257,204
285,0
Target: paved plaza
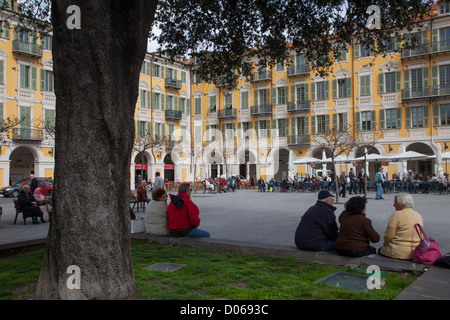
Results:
x,y
265,218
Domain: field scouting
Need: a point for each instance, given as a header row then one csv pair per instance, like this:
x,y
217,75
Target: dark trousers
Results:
x,y
361,186
342,193
352,187
366,252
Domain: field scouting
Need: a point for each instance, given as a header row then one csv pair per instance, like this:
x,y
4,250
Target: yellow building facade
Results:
x,y
255,127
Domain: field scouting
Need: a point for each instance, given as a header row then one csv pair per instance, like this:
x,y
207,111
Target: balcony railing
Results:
x,y
302,105
261,76
426,92
261,109
426,49
227,113
298,140
173,83
298,70
26,134
28,48
173,114
226,83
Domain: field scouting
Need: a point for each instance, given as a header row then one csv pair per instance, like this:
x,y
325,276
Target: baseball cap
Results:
x,y
323,194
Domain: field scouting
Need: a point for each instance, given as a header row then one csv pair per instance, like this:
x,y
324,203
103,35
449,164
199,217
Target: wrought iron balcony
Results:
x,y
426,92
299,140
425,49
26,134
173,114
227,113
298,70
302,105
261,109
173,83
28,48
261,76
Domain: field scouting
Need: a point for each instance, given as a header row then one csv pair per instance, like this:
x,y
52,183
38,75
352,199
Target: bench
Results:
x,y
16,206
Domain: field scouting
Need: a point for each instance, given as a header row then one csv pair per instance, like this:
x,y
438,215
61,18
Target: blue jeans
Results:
x,y
379,190
196,232
329,246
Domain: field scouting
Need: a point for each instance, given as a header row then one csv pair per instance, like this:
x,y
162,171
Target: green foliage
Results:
x,y
223,35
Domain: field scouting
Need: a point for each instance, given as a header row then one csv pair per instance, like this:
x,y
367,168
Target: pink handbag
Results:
x,y
428,251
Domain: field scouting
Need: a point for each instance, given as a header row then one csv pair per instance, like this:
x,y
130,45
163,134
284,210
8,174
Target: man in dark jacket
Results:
x,y
184,215
318,229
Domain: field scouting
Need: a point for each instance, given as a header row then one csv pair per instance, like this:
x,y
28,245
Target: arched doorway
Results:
x,y
281,164
169,169
424,166
22,162
247,164
141,166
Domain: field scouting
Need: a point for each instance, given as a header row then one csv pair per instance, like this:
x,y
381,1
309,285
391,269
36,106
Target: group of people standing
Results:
x,y
179,218
319,231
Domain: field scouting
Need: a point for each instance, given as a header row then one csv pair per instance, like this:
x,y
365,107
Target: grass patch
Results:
x,y
211,274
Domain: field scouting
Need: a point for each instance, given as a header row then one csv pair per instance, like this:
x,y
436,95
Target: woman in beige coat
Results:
x,y
156,214
400,237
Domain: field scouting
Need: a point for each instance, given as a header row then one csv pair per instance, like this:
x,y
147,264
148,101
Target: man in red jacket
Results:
x,y
184,215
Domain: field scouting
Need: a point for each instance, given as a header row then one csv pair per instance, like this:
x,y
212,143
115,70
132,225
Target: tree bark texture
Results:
x,y
96,71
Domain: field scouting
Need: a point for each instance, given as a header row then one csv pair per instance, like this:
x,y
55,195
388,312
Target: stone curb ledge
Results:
x,y
322,257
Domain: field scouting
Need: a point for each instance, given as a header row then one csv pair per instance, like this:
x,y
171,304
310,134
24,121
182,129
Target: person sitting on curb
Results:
x,y
156,214
318,229
184,215
356,231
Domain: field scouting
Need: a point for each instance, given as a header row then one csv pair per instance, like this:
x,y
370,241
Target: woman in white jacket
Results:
x,y
156,214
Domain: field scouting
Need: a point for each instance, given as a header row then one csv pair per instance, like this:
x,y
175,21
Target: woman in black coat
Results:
x,y
27,203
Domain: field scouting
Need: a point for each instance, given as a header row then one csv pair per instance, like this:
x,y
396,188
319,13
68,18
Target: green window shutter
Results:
x,y
268,128
292,93
42,80
313,124
358,120
406,81
349,85
425,78
306,122
434,76
434,40
245,96
307,92
399,118
163,101
426,116
381,119
286,94
408,117
313,91
398,81
147,99
153,100
141,98
357,50
256,128
334,82
188,106
1,111
2,74
286,127
436,116
267,96
373,122
381,83
345,120
33,78
23,71
255,97
327,89
327,122
274,96
292,127
334,119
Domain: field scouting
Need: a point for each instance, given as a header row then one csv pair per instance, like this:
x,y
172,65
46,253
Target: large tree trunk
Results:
x,y
96,84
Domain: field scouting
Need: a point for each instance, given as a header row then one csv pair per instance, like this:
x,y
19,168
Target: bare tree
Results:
x,y
145,140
